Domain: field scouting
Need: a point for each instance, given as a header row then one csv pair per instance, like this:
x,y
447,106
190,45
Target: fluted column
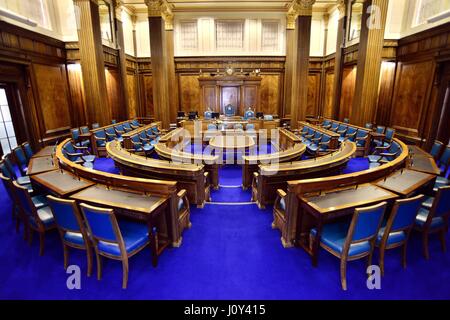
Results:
x,y
299,99
92,61
157,9
125,109
289,69
369,61
339,57
170,43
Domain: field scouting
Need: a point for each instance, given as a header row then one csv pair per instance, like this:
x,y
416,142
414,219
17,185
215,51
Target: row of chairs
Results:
x,y
111,133
316,141
356,239
145,141
85,229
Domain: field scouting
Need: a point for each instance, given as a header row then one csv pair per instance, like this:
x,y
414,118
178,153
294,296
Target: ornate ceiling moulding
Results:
x,y
161,8
298,8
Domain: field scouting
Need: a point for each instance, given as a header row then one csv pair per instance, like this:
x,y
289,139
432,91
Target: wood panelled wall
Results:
x,y
35,65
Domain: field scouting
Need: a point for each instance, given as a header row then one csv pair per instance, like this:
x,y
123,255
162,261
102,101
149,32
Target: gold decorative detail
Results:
x,y
119,9
161,8
342,8
298,8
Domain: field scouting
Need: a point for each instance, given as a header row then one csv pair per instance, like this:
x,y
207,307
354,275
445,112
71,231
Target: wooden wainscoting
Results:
x,y
348,91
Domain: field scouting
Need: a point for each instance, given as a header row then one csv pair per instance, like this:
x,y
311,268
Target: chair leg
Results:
x,y
344,274
382,251
426,252
66,256
89,261
17,225
404,251
125,273
30,236
99,266
41,243
442,238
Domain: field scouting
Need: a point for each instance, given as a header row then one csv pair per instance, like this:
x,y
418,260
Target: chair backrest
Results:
x,y
445,158
75,132
95,125
249,114
250,126
369,125
119,127
230,110
380,129
8,184
5,170
366,222
361,133
326,123
441,204
404,213
100,134
20,156
142,135
127,126
342,126
211,126
346,120
24,201
351,131
318,135
135,123
114,121
135,138
334,126
66,214
102,224
436,149
208,114
28,150
84,129
389,134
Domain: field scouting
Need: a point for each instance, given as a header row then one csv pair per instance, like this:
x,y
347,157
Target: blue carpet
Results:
x,y
356,164
106,165
231,252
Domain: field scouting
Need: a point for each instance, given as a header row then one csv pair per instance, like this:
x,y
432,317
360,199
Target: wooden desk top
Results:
x,y
364,195
422,163
232,142
45,152
404,182
100,195
417,151
40,165
61,183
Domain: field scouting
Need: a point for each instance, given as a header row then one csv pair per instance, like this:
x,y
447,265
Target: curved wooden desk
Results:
x,y
275,176
191,177
287,219
234,142
172,221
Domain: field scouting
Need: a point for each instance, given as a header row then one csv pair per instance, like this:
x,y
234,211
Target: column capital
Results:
x,y
298,8
118,10
161,8
342,7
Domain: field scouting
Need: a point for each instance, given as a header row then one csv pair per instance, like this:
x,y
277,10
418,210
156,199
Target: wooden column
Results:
x,y
369,61
339,58
289,70
299,99
173,96
125,109
158,50
92,62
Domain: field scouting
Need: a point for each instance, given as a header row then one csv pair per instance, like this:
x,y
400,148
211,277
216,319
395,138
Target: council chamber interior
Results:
x,y
200,149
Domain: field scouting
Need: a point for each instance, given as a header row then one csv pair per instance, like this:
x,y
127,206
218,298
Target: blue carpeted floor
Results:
x,y
231,252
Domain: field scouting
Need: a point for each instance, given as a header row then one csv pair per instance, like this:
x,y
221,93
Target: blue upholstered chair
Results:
x,y
119,129
250,126
380,129
395,233
354,241
150,134
75,133
35,219
346,120
388,138
21,160
139,146
230,111
384,154
268,117
95,125
70,225
110,134
249,114
362,137
113,239
434,219
351,134
127,127
326,124
84,129
28,150
436,149
7,169
211,126
334,126
444,162
369,125
135,124
113,121
78,155
342,129
208,114
100,138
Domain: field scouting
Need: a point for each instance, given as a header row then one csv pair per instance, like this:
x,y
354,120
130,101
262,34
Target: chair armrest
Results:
x,y
325,143
362,138
309,136
134,127
144,139
351,134
79,148
342,131
99,138
388,154
281,193
316,139
110,134
136,143
77,154
119,131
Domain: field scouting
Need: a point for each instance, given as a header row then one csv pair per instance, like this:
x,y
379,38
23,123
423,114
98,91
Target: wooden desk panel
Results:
x,y
61,183
45,152
40,165
423,164
405,182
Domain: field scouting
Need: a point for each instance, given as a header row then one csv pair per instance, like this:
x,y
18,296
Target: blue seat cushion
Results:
x,y
394,237
334,235
89,165
442,180
148,147
428,202
74,237
341,139
313,147
83,143
101,143
89,158
23,180
45,215
374,158
39,201
135,236
422,216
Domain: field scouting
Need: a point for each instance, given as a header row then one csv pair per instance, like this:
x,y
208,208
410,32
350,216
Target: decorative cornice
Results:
x,y
161,8
118,10
342,8
298,8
